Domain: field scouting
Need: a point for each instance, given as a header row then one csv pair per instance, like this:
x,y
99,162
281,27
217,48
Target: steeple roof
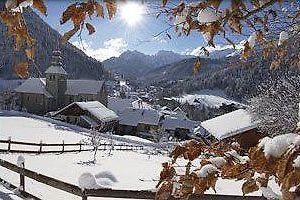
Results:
x,y
56,64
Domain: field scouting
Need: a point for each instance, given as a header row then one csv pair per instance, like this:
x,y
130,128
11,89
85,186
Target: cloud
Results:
x,y
111,48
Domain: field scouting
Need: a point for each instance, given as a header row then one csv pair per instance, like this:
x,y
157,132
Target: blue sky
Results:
x,y
113,37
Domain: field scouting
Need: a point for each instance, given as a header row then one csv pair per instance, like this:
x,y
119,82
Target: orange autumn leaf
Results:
x,y
164,2
40,6
21,69
90,28
249,186
111,7
99,10
197,66
30,53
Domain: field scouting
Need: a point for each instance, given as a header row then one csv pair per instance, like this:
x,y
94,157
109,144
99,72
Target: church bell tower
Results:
x,y
56,80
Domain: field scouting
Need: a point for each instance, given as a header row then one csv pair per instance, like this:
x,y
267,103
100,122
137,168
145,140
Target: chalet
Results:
x,y
40,95
236,125
91,114
140,122
178,127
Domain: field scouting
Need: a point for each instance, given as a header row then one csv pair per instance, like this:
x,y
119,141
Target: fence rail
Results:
x,y
78,147
108,193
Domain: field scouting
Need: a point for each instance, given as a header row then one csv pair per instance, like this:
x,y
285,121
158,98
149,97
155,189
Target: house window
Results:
x,y
28,98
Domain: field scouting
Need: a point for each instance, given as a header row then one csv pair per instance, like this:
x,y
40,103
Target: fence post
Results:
x,y
80,146
83,195
63,146
21,165
9,144
41,146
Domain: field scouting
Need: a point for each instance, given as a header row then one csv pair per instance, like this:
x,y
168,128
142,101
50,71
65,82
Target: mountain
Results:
x,y
183,69
223,53
135,64
77,64
239,79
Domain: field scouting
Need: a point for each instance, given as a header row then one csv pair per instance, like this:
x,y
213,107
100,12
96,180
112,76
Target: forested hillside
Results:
x,y
238,78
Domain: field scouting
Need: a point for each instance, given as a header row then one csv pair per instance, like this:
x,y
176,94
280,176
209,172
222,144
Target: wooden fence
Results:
x,y
61,148
84,194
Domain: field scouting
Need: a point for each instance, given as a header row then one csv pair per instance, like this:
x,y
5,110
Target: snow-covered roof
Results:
x,y
119,105
96,109
56,69
133,117
171,123
35,86
75,87
229,124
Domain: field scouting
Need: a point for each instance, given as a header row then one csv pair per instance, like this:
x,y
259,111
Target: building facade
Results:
x,y
41,95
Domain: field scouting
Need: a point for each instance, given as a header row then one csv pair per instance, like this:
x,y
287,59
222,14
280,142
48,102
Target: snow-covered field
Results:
x,y
206,98
20,127
134,170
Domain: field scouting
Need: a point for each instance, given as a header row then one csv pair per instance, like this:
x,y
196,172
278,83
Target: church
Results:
x,y
41,95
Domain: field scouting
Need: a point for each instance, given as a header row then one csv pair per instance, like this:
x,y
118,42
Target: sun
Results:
x,y
132,12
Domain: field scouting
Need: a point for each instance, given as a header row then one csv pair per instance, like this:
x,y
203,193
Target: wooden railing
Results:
x,y
61,147
85,193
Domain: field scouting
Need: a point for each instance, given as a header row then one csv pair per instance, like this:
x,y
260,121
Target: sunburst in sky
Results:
x,y
132,12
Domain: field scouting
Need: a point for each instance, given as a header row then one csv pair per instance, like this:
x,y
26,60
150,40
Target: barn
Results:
x,y
90,114
139,122
178,127
236,125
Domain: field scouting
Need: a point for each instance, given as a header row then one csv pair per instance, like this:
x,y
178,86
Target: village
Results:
x,y
116,108
116,116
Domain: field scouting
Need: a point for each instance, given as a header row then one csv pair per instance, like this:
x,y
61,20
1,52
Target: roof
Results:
x,y
171,123
56,69
95,108
10,85
133,117
35,86
230,124
75,87
119,105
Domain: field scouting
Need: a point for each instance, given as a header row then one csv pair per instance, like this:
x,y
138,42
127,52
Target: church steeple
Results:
x,y
56,64
56,80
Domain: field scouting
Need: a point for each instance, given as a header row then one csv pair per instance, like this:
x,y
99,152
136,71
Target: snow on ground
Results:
x,y
26,127
6,194
20,127
134,138
132,170
206,98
